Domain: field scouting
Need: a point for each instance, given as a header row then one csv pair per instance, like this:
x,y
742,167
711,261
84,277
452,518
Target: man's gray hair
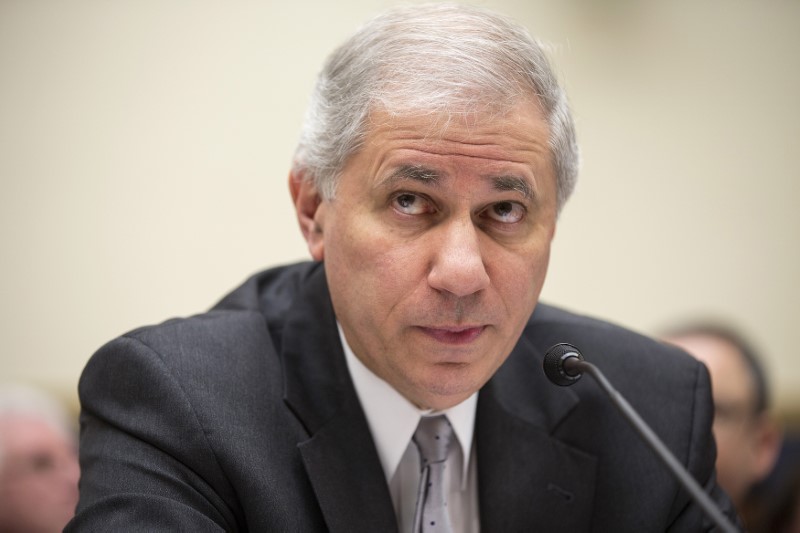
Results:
x,y
436,60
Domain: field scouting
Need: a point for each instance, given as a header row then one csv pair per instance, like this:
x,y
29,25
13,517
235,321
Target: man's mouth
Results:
x,y
454,334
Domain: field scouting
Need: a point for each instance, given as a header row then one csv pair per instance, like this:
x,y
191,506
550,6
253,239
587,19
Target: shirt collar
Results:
x,y
393,419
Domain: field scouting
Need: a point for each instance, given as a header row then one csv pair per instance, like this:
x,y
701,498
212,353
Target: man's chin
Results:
x,y
449,385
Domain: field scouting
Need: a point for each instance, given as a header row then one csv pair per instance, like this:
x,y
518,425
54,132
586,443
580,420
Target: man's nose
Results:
x,y
458,266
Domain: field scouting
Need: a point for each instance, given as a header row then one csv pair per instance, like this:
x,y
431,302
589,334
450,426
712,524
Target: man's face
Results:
x,y
38,476
436,247
744,453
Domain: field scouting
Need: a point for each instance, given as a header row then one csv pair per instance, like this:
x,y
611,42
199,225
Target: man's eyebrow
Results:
x,y
433,177
513,183
415,173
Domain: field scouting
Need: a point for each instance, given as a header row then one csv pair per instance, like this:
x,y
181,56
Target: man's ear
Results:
x,y
310,212
768,439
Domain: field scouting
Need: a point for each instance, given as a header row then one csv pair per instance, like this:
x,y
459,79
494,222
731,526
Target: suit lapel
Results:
x,y
529,480
339,456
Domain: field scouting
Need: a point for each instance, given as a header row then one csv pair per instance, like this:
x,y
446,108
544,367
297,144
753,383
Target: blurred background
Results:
x,y
145,145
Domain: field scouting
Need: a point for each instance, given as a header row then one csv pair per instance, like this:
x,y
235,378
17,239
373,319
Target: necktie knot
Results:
x,y
433,438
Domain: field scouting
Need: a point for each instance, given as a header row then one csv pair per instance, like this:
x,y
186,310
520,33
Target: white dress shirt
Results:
x,y
392,421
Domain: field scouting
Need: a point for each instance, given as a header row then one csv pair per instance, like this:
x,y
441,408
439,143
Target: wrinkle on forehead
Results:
x,y
509,139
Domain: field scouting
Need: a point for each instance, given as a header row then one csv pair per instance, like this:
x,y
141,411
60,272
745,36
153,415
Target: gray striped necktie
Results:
x,y
433,437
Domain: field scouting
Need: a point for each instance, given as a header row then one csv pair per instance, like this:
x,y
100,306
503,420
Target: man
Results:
x,y
436,154
748,439
38,462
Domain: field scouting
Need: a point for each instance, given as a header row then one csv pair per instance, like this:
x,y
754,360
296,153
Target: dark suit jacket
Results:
x,y
245,419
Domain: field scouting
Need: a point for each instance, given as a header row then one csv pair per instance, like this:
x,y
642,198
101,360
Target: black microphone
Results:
x,y
564,365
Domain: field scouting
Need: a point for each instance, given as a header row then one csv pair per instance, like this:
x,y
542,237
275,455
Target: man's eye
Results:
x,y
42,462
505,212
411,204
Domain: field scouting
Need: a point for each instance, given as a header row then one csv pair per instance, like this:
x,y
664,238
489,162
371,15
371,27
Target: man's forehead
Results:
x,y
730,374
523,131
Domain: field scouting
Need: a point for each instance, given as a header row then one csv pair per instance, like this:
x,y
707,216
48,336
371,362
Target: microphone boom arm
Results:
x,y
574,366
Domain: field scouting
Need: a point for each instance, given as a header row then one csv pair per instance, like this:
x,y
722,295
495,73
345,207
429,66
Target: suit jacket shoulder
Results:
x,y
239,419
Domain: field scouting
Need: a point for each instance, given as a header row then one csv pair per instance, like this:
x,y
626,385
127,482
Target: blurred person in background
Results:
x,y
748,437
38,462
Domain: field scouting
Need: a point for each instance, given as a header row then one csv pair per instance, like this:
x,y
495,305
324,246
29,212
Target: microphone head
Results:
x,y
554,364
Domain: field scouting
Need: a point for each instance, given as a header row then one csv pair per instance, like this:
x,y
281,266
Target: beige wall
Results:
x,y
144,147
